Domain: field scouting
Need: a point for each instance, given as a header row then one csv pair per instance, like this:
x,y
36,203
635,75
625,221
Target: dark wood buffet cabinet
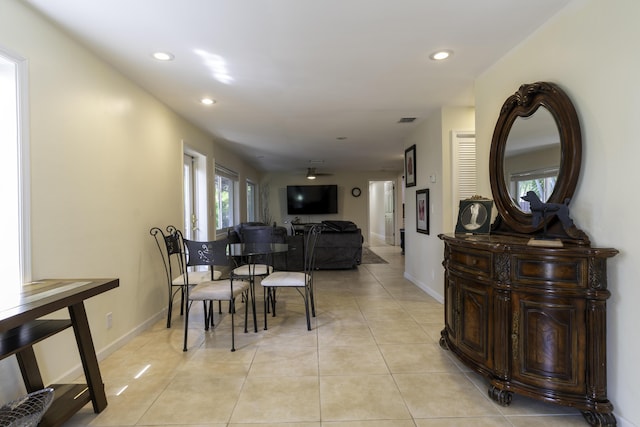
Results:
x,y
531,319
526,304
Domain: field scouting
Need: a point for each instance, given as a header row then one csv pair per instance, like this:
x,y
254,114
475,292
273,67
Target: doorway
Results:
x,y
382,223
194,172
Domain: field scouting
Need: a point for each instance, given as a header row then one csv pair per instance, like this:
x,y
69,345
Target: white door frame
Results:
x,y
372,200
197,226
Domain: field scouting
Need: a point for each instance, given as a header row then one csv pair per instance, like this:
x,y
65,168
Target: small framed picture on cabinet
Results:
x,y
474,216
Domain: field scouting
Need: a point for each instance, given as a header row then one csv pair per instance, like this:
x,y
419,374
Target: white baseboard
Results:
x,y
120,342
103,353
623,422
378,236
425,288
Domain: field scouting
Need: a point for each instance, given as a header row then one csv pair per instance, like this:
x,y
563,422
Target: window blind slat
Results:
x,y
466,168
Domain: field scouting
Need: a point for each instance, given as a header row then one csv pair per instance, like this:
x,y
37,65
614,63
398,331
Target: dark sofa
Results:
x,y
339,245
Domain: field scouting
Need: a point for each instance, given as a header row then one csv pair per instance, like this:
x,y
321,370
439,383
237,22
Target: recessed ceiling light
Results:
x,y
163,56
208,101
440,55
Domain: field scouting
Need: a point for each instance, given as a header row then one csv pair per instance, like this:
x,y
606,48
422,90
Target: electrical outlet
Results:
x,y
109,320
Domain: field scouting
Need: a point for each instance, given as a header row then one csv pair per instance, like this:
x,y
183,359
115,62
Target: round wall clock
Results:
x,y
356,192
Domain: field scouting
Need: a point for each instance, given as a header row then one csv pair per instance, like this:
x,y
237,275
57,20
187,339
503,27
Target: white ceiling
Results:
x,y
305,73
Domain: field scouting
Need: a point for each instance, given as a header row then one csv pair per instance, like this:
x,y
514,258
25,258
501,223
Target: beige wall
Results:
x,y
350,208
423,253
106,166
588,51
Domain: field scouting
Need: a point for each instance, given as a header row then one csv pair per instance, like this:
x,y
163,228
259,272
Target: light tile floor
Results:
x,y
371,360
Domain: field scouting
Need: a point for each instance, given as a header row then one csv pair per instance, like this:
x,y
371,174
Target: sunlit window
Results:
x,y
252,201
15,265
541,182
226,190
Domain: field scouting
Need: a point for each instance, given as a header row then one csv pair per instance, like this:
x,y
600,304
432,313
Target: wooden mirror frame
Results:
x,y
524,103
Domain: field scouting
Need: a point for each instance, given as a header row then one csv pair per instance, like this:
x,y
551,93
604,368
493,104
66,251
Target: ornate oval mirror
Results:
x,y
532,157
536,146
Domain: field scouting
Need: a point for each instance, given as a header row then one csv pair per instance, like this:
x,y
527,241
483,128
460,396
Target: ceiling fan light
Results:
x,y
311,173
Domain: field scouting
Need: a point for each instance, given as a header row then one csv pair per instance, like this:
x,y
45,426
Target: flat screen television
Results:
x,y
312,199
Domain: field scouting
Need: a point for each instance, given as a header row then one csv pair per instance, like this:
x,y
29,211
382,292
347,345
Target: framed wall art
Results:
x,y
410,166
422,211
474,216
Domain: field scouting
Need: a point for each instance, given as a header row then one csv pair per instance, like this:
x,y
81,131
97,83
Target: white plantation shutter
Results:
x,y
466,168
463,168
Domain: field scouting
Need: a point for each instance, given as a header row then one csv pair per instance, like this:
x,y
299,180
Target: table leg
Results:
x,y
252,287
88,356
29,369
252,290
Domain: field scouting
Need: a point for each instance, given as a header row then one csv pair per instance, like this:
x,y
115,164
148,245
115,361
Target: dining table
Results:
x,y
252,253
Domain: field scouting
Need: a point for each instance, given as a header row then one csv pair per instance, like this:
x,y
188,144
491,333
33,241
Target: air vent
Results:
x,y
407,120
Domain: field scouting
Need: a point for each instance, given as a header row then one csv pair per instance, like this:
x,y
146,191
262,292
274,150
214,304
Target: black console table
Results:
x,y
299,228
21,327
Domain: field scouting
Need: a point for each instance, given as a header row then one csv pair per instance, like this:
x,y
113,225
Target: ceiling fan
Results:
x,y
312,174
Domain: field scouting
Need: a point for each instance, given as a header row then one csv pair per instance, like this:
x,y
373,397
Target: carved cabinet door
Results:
x,y
548,334
451,312
474,307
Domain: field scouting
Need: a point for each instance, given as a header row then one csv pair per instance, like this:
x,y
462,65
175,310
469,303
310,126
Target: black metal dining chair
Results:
x,y
211,254
256,266
171,250
301,281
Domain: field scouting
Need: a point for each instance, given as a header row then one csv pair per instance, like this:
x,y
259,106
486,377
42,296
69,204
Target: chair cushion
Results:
x,y
217,290
260,270
286,278
196,277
